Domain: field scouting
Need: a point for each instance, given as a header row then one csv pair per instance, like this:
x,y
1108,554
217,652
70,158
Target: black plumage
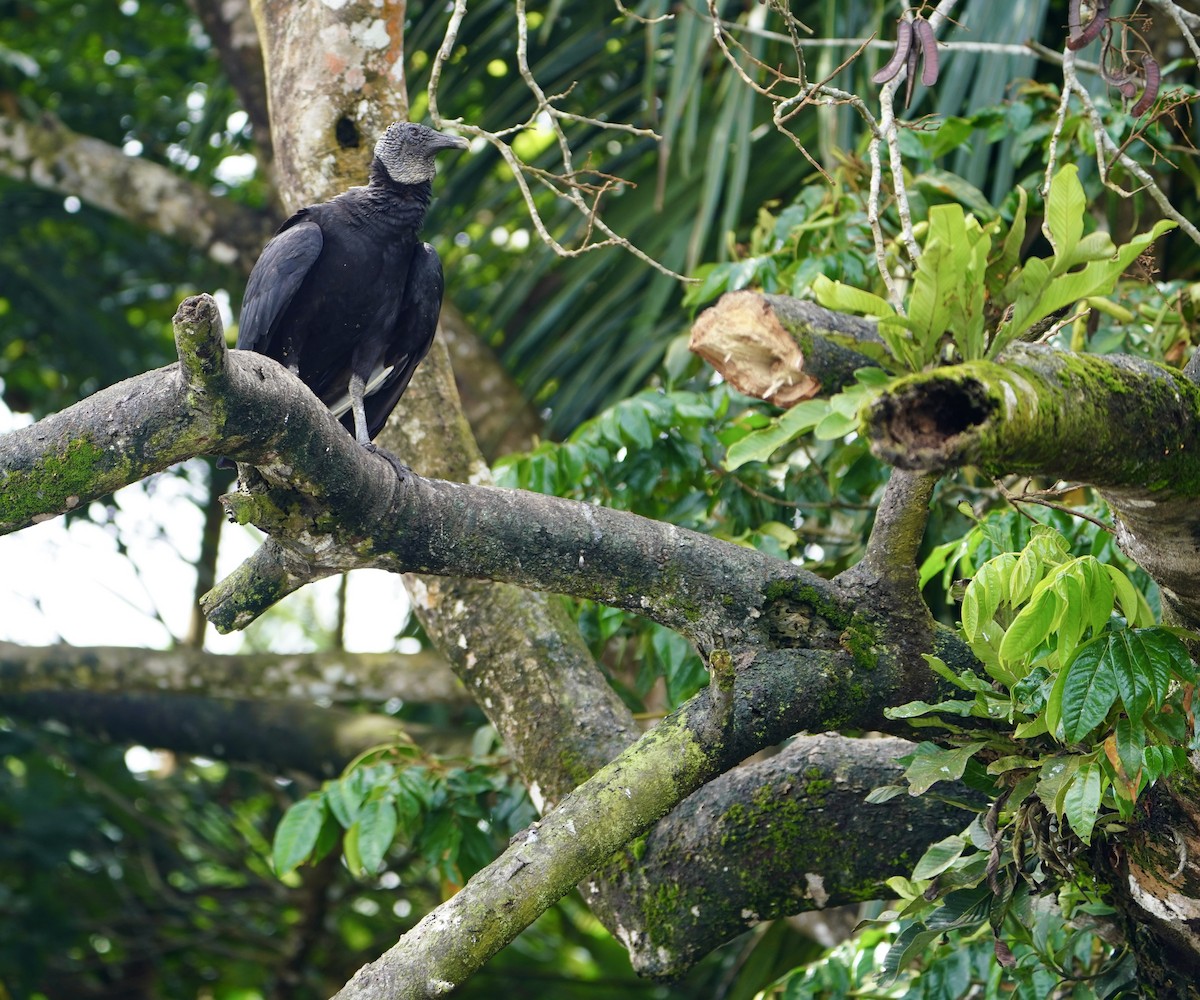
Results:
x,y
346,295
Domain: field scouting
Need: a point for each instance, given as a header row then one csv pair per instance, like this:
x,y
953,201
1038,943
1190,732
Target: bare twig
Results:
x,y
568,185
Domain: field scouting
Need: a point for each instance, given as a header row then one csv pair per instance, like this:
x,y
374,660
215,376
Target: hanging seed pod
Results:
x,y
888,71
1080,35
929,51
1153,79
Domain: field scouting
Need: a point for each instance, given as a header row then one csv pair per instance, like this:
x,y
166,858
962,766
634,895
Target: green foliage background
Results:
x,y
109,878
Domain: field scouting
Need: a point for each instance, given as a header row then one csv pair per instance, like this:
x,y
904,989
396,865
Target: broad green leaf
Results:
x,y
1094,246
846,298
1132,671
932,764
1090,689
1166,655
915,709
759,446
1130,743
1154,762
1014,239
297,833
884,793
1029,630
376,826
635,423
1056,775
911,942
1002,764
344,798
1034,727
986,591
1101,594
938,857
1065,206
1131,602
1082,800
966,680
1069,622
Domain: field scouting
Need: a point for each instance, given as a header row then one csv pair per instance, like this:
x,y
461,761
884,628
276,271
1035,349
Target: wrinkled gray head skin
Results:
x,y
407,149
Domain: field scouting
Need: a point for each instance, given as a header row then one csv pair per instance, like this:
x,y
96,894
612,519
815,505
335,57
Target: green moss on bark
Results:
x,y
54,485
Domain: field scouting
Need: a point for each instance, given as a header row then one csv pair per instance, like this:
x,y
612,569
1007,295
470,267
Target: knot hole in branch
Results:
x,y
922,426
346,133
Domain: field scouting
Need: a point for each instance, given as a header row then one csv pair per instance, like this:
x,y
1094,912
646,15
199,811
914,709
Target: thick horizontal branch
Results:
x,y
1111,421
277,735
781,349
690,747
331,677
773,838
49,155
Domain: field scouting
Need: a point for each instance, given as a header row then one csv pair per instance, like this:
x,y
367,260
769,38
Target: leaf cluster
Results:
x,y
1086,703
969,298
447,816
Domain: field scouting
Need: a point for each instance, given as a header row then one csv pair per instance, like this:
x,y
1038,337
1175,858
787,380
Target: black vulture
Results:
x,y
346,295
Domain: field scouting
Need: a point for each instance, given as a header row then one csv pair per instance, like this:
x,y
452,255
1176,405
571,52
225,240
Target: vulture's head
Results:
x,y
407,149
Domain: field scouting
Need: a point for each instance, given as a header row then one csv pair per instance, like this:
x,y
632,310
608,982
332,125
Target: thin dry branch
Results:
x,y
567,185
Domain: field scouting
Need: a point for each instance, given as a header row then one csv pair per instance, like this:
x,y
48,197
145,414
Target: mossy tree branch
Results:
x,y
286,736
335,677
769,628
1131,428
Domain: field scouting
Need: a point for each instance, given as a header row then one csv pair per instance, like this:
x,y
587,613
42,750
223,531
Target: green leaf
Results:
x,y
1029,630
1126,594
344,797
1132,671
376,826
1014,239
297,833
915,709
932,764
1056,775
846,298
1065,205
1081,803
1094,246
984,594
1154,762
938,857
966,680
1131,747
758,446
1090,689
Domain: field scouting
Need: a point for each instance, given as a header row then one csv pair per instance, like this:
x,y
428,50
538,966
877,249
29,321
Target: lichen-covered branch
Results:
x,y
284,736
1126,426
48,154
705,737
773,838
1109,420
335,677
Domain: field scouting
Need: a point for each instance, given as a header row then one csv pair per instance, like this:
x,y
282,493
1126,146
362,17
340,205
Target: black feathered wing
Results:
x,y
278,275
411,337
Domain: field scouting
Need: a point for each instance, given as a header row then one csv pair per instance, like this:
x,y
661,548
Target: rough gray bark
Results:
x,y
332,677
772,838
334,505
286,736
48,154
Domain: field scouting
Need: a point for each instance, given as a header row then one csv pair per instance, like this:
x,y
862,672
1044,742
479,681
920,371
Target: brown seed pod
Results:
x,y
929,51
1081,35
904,37
910,81
1153,79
